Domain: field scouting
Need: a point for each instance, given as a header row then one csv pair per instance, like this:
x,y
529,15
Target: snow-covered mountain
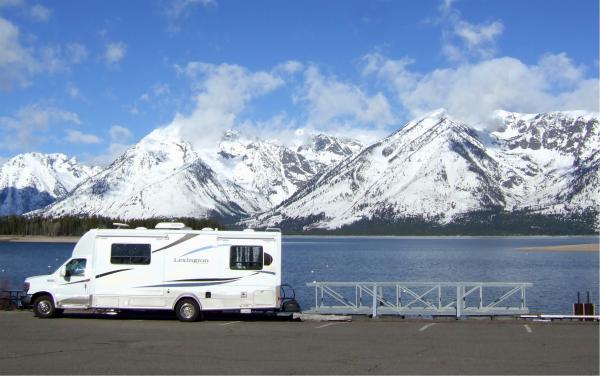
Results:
x,y
159,176
33,180
163,175
437,168
276,171
555,157
325,151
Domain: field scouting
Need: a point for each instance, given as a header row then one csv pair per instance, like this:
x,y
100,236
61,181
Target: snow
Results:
x,y
163,175
435,167
32,179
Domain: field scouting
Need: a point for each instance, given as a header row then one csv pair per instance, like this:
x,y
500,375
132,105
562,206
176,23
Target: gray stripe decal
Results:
x,y
109,273
198,250
186,237
205,279
264,272
187,284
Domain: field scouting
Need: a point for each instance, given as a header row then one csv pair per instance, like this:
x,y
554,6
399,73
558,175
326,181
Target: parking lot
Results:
x,y
158,344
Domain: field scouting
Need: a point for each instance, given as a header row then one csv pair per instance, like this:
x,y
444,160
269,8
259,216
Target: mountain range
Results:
x,y
435,168
33,180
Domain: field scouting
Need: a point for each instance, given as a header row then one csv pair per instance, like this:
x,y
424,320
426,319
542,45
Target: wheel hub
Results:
x,y
187,310
44,306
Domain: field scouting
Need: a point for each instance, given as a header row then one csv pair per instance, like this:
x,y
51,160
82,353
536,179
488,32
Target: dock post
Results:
x,y
374,300
458,301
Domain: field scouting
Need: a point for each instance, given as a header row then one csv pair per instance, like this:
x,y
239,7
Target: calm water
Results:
x,y
557,276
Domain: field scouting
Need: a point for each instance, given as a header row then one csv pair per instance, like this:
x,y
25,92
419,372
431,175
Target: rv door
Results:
x,y
73,284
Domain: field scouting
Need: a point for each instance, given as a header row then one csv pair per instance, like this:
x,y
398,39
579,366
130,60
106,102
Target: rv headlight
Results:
x,y
26,287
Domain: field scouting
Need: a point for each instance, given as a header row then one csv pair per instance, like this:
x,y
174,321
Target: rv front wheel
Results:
x,y
187,309
43,307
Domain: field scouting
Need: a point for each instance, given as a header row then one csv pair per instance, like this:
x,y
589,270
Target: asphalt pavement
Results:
x,y
159,344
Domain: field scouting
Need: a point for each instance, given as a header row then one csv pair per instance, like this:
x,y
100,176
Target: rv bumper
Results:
x,y
26,301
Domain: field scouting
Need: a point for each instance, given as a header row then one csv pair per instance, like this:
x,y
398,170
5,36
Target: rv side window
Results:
x,y
132,254
246,257
75,268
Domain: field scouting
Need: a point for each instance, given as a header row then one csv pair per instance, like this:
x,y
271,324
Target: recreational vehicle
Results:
x,y
170,267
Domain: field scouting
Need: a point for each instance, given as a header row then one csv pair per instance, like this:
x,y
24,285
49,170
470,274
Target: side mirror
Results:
x,y
63,271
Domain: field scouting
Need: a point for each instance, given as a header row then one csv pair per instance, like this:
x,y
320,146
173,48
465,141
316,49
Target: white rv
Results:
x,y
170,267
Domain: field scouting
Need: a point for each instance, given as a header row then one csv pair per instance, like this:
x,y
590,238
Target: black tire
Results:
x,y
43,307
187,310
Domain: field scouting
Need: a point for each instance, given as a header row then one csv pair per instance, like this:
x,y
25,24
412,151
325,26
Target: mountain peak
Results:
x,y
32,180
569,132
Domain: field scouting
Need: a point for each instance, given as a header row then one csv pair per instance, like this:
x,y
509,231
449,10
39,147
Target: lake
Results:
x,y
556,276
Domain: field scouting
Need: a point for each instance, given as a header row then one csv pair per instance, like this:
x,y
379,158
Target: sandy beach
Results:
x,y
563,248
39,239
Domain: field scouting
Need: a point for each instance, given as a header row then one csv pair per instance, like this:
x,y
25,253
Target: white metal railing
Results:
x,y
421,298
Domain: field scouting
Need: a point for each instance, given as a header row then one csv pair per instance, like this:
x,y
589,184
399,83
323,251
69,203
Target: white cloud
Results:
x,y
560,69
333,102
177,10
471,92
40,13
16,62
181,8
120,134
29,126
289,67
394,72
223,91
120,141
479,39
73,91
462,40
10,3
78,137
52,59
115,52
160,90
76,53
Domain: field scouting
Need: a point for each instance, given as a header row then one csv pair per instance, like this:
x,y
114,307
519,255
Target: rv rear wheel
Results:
x,y
43,307
187,309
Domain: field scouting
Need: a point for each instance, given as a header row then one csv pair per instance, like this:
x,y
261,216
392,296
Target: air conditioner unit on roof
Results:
x,y
170,226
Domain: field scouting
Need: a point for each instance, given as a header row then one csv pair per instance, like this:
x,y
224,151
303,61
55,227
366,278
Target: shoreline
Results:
x,y
74,239
38,239
594,247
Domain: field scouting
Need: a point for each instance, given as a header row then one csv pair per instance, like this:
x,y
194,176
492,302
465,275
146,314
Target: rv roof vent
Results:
x,y
120,225
207,229
170,225
248,230
141,228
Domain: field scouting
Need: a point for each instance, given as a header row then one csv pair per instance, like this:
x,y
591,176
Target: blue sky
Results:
x,y
89,78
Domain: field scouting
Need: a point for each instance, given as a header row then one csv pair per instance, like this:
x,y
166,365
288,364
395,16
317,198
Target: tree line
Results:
x,y
78,225
483,222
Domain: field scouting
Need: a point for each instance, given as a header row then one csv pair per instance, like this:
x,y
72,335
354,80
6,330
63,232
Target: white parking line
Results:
x,y
426,326
229,323
528,328
329,324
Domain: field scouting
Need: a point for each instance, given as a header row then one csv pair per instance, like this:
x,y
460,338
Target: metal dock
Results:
x,y
458,299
